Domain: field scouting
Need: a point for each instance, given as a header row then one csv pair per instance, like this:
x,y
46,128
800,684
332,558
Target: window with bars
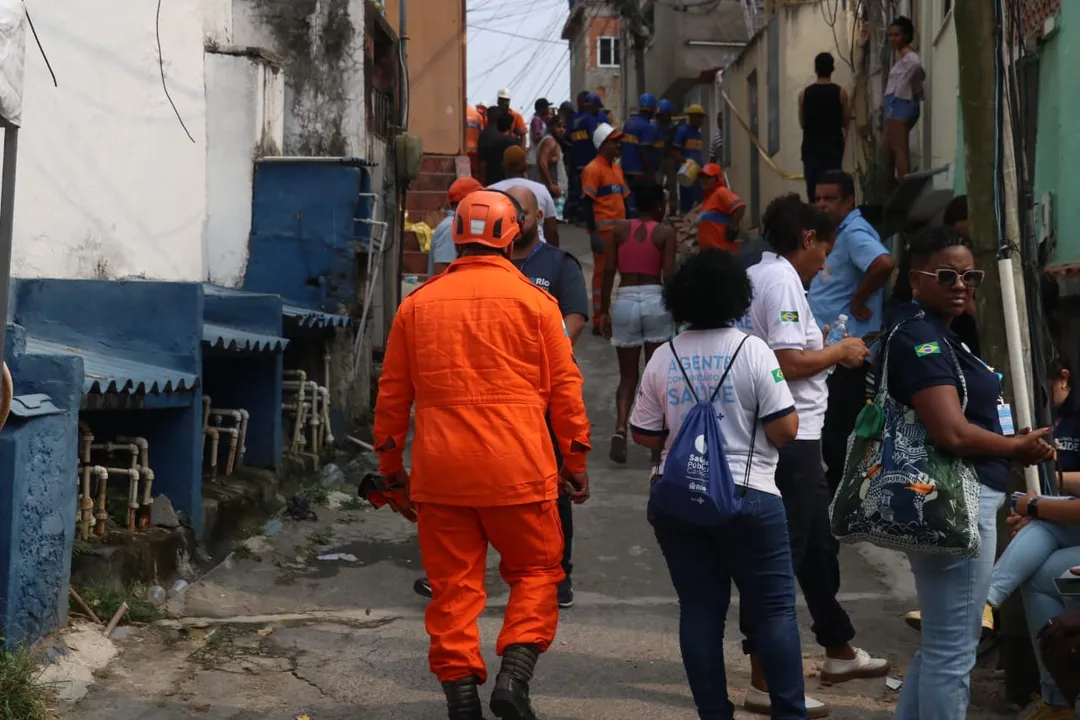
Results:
x,y
607,51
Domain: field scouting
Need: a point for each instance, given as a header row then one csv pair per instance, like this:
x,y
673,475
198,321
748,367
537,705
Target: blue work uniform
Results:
x,y
921,356
688,142
638,136
581,135
559,273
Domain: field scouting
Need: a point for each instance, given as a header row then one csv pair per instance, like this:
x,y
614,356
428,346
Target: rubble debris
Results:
x,y
332,475
257,544
162,513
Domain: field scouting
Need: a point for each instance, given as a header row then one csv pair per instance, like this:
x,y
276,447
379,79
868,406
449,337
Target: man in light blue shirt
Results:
x,y
851,283
443,251
853,280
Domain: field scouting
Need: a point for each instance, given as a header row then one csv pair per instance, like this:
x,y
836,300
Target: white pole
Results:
x,y
1021,399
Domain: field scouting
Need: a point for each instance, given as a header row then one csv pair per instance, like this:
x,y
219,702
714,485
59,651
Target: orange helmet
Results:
x,y
488,217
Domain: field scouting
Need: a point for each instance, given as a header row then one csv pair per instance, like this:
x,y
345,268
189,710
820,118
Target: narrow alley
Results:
x,y
277,634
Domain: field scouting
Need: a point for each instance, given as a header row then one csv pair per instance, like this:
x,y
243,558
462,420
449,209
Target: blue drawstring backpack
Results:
x,y
696,485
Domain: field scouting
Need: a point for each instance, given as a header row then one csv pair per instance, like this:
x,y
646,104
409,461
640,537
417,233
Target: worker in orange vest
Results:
x,y
484,468
474,123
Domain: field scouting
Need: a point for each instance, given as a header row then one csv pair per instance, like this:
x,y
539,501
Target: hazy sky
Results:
x,y
516,44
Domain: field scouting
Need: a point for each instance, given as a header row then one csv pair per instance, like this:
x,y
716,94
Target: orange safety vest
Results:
x,y
484,356
474,123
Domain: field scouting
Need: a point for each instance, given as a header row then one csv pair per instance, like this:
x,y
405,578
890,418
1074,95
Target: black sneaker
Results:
x,y
422,588
566,593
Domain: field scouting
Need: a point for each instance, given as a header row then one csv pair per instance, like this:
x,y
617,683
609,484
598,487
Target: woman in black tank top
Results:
x,y
823,116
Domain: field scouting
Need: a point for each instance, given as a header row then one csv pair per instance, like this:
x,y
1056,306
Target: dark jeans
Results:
x,y
689,197
634,184
815,167
566,516
814,550
847,397
753,550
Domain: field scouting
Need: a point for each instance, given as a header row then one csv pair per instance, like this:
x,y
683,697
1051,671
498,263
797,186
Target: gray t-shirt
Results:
x,y
442,244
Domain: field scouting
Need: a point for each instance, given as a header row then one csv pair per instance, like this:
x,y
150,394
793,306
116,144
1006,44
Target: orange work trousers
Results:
x,y
597,286
454,545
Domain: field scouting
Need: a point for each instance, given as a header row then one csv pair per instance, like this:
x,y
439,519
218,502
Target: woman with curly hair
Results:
x,y
711,293
801,236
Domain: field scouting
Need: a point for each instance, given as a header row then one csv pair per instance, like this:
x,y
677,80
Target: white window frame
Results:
x,y
614,51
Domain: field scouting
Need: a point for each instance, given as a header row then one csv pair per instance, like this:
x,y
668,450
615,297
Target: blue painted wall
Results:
x,y
251,381
38,495
304,233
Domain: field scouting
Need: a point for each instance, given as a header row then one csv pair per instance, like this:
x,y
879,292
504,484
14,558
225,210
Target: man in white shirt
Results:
x,y
515,167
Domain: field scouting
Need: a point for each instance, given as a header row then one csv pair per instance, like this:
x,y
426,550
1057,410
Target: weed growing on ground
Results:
x,y
356,503
316,494
316,541
22,694
105,600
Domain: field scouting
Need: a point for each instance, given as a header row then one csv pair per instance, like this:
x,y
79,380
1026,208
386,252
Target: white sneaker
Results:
x,y
861,666
760,703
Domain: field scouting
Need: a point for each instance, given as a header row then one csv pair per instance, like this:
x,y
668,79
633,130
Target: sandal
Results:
x,y
618,447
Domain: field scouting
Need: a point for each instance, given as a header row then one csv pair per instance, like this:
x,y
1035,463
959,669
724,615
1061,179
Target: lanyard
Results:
x,y
530,256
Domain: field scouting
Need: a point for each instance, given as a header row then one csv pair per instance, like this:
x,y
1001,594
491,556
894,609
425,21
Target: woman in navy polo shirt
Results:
x,y
952,591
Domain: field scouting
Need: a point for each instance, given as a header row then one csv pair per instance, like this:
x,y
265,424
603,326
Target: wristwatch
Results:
x,y
1033,508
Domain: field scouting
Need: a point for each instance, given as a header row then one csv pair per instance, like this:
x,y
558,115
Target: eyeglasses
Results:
x,y
946,277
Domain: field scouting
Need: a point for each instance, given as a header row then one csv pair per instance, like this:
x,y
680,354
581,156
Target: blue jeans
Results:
x,y
1043,603
952,595
753,550
1026,554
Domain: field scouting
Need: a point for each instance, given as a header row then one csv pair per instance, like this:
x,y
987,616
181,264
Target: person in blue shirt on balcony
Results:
x,y
581,135
637,148
688,145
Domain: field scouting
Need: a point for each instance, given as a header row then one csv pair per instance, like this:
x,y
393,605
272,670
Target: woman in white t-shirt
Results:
x,y
801,236
710,292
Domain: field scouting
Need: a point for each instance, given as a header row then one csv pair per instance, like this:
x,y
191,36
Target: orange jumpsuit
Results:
x,y
715,219
605,184
474,123
519,129
484,355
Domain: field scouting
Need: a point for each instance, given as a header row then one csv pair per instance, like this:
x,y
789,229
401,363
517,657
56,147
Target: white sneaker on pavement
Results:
x,y
759,703
861,666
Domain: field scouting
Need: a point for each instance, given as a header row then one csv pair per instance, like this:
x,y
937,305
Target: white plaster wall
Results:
x,y
108,183
244,99
325,108
217,21
937,48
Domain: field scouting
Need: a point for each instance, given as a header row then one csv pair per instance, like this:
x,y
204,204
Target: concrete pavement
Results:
x,y
279,635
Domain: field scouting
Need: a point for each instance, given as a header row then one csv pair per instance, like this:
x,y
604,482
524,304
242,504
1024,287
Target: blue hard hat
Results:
x,y
665,106
647,101
566,105
593,98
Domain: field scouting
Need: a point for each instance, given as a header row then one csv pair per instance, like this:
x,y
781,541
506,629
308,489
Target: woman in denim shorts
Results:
x,y
903,92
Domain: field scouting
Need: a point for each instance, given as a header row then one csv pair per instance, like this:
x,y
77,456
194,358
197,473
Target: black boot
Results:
x,y
510,699
463,699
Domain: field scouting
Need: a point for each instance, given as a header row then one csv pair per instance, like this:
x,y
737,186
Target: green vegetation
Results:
x,y
355,503
316,494
106,600
22,694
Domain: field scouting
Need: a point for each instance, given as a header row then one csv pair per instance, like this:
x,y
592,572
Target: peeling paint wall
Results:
x,y
108,183
245,99
321,44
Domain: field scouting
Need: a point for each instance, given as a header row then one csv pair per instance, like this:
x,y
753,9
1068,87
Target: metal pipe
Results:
x,y
7,223
327,435
715,43
298,425
403,37
148,498
1015,342
213,433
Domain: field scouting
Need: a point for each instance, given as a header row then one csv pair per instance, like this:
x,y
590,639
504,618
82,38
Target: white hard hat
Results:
x,y
604,132
504,94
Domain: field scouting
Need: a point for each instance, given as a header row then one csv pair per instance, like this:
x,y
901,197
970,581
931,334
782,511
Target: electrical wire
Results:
x,y
483,28
161,65
45,57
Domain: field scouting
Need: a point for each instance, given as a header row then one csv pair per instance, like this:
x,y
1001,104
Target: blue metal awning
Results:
x,y
314,318
105,373
223,337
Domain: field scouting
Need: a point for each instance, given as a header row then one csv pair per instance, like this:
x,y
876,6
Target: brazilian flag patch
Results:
x,y
778,375
789,316
930,348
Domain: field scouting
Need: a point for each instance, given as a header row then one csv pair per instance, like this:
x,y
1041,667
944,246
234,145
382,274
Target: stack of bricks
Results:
x,y
426,202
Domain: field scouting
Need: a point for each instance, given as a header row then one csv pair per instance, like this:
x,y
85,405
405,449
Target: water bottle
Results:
x,y
155,595
838,331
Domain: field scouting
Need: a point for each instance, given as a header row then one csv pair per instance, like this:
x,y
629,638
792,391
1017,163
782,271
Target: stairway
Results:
x,y
426,202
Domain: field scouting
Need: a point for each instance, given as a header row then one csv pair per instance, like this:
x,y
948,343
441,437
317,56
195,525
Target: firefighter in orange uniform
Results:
x,y
604,192
474,123
484,356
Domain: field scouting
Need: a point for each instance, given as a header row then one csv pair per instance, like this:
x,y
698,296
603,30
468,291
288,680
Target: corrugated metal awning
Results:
x,y
105,373
223,337
314,318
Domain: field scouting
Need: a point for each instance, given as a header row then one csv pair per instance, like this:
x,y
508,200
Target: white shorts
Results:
x,y
638,316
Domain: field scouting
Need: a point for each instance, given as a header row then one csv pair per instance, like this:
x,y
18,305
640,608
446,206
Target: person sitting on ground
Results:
x,y
711,293
642,253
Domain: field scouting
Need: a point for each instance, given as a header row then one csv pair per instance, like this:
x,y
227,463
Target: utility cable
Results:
x,y
40,49
161,65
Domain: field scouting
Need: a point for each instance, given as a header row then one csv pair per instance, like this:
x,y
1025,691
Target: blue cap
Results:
x,y
665,106
647,101
566,105
593,98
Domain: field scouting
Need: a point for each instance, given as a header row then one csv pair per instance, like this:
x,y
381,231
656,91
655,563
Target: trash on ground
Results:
x,y
257,544
332,475
298,508
273,527
263,632
335,499
343,557
893,683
